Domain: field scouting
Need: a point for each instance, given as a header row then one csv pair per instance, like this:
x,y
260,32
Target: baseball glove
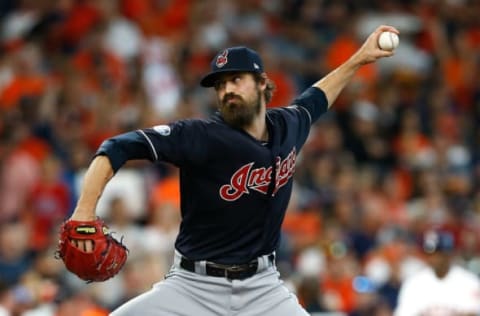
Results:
x,y
103,262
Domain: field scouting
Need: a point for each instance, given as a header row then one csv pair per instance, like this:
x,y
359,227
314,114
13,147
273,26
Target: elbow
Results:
x,y
114,152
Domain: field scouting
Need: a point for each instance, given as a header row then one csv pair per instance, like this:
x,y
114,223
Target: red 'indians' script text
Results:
x,y
246,178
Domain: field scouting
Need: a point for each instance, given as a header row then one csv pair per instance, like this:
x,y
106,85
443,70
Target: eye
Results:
x,y
237,79
219,84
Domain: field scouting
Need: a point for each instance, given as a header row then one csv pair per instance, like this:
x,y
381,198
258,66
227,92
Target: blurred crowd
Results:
x,y
396,155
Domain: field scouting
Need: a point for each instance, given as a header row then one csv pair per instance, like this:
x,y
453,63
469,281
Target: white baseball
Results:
x,y
388,41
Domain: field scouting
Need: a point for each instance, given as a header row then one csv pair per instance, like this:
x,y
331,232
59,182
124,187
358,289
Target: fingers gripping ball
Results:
x,y
388,41
103,262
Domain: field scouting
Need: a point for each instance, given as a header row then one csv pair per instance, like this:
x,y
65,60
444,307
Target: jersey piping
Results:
x,y
155,155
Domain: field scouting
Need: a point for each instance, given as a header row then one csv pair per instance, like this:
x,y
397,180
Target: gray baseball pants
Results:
x,y
185,293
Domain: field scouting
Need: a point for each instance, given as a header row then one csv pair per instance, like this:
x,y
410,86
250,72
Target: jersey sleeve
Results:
x,y
179,143
313,102
303,112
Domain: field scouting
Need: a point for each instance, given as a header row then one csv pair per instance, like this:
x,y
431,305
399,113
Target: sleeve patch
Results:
x,y
163,130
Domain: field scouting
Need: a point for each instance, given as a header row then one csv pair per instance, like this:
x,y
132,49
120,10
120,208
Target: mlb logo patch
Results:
x,y
163,130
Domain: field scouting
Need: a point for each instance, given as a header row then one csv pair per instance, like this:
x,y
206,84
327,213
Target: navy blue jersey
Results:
x,y
234,188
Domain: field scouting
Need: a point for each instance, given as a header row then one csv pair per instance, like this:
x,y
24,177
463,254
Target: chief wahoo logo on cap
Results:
x,y
222,59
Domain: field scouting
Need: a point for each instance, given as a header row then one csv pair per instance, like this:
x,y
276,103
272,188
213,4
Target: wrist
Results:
x,y
81,214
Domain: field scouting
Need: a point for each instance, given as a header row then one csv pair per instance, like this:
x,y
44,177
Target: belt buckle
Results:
x,y
233,269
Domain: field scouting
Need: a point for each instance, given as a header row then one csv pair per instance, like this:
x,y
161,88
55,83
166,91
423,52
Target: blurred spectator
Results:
x,y
80,304
443,287
129,185
368,302
310,295
121,35
48,203
140,274
102,68
16,257
159,78
41,292
285,88
80,18
167,190
301,226
345,44
26,80
411,146
247,21
166,19
210,16
336,284
122,225
19,173
7,300
18,22
161,231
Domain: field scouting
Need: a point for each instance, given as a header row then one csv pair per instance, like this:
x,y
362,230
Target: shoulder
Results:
x,y
464,275
197,122
294,112
423,276
287,112
194,124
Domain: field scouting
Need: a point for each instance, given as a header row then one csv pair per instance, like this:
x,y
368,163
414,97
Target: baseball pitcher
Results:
x,y
236,173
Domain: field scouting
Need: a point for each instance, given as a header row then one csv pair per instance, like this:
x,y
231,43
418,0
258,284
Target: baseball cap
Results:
x,y
238,58
435,240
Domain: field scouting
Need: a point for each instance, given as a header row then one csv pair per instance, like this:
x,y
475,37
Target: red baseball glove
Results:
x,y
106,259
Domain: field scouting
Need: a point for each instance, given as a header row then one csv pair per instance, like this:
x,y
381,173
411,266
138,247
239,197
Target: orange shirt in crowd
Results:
x,y
285,89
170,20
94,312
80,20
135,9
111,66
36,147
457,74
340,290
410,144
167,191
21,86
302,227
96,137
341,49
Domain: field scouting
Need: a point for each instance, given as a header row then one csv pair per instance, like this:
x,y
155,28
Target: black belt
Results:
x,y
232,272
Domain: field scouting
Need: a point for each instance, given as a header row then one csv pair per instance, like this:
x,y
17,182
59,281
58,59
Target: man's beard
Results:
x,y
240,113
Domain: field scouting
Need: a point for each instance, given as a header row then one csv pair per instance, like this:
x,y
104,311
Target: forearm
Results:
x,y
96,178
110,157
335,81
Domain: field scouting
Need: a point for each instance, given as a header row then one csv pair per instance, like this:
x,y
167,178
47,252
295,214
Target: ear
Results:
x,y
263,81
